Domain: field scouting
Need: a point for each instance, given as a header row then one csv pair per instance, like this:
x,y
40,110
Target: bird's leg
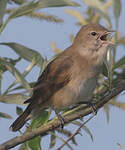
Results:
x,y
61,119
94,108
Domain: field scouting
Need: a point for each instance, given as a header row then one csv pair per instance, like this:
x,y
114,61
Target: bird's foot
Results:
x,y
61,119
92,105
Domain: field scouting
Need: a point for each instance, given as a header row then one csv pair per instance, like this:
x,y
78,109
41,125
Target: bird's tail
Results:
x,y
20,121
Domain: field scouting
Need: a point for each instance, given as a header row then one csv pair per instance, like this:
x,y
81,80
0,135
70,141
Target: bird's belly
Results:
x,y
73,93
85,90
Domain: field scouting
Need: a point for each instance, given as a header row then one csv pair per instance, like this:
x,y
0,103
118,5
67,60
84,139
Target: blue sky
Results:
x,y
38,35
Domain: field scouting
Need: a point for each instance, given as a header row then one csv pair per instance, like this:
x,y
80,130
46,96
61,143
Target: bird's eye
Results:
x,y
93,33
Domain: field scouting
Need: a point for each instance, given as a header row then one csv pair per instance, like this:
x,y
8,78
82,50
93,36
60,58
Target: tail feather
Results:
x,y
20,121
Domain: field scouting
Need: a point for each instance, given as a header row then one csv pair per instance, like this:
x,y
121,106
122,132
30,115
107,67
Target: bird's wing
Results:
x,y
56,75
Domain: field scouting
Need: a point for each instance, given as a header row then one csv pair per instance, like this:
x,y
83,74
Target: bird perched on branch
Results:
x,y
71,77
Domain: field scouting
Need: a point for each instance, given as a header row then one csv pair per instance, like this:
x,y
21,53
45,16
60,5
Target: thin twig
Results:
x,y
68,145
75,133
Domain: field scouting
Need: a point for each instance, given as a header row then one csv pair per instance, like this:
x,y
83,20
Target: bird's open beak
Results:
x,y
106,37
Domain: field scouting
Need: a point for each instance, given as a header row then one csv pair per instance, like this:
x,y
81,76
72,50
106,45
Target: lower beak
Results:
x,y
106,37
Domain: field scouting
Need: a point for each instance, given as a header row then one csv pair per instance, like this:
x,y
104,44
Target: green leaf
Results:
x,y
21,87
4,115
41,119
34,144
24,10
19,110
88,131
25,52
20,79
30,7
52,140
57,3
12,61
120,63
106,110
17,98
2,67
117,10
3,4
105,69
1,82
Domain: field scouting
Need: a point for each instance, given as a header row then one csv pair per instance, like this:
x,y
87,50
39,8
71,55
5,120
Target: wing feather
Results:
x,y
55,76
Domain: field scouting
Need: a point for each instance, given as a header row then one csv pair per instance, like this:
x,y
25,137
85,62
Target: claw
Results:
x,y
92,105
94,109
61,119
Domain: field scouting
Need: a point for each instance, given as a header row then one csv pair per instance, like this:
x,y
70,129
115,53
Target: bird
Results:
x,y
71,77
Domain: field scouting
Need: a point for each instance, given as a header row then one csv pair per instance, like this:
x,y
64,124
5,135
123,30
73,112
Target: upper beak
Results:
x,y
106,37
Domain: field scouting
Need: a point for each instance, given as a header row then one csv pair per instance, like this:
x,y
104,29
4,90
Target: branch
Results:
x,y
52,125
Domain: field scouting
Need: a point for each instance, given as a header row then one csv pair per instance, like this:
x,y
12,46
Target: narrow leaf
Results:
x,y
120,63
20,87
30,7
40,16
25,52
34,144
3,4
17,98
57,3
105,69
1,82
52,140
20,79
117,10
4,115
12,61
106,110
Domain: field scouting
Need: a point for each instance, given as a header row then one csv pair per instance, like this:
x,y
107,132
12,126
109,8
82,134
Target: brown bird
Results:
x,y
71,77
